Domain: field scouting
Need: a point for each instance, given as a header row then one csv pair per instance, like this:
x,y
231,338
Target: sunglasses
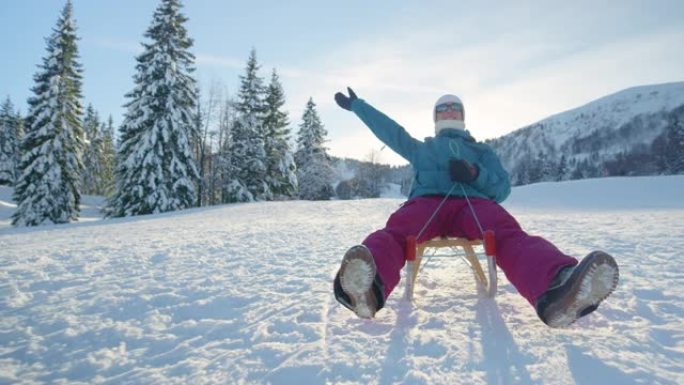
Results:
x,y
449,107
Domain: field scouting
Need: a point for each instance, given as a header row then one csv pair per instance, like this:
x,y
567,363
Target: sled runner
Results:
x,y
486,283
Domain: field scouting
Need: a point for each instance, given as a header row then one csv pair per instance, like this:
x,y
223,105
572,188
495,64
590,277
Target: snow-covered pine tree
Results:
x,y
562,169
281,175
674,149
91,156
47,190
156,171
10,126
548,167
107,158
99,154
314,172
247,181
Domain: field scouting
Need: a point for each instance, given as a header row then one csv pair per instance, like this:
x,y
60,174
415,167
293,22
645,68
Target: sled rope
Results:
x,y
488,241
488,237
472,210
434,213
457,153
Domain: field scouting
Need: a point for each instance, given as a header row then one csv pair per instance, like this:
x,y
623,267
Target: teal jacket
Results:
x,y
430,159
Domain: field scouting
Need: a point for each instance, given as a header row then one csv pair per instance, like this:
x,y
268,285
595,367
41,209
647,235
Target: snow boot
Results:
x,y
577,290
357,285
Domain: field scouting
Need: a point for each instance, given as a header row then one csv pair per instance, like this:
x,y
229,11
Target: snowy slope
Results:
x,y
241,294
614,110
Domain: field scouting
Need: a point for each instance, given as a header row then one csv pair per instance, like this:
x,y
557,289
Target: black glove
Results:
x,y
462,171
344,101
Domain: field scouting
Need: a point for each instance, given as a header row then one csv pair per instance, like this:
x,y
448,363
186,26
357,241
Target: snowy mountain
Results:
x,y
241,294
620,134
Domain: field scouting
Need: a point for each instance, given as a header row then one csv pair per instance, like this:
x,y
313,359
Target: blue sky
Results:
x,y
512,62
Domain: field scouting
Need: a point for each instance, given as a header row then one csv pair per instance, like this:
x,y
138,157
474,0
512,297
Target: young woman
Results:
x,y
448,165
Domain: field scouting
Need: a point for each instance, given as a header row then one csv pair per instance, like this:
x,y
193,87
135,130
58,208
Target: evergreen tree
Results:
x,y
281,174
562,169
156,171
10,127
314,172
91,156
21,124
47,190
346,189
520,174
529,170
247,181
547,168
674,149
99,155
580,171
659,151
107,159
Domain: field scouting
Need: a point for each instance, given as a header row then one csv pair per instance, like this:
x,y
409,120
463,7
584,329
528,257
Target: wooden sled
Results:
x,y
484,285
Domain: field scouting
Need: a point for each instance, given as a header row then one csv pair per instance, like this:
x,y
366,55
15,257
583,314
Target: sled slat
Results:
x,y
488,286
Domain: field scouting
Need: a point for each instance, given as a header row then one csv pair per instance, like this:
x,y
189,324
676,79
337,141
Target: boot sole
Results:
x,y
595,279
356,278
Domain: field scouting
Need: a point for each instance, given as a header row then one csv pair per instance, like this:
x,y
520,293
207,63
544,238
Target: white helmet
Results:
x,y
454,120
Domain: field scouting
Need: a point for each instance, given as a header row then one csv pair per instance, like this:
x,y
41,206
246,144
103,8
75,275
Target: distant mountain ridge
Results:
x,y
637,131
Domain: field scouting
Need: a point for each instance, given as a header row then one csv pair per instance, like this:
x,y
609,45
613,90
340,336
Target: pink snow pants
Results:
x,y
529,262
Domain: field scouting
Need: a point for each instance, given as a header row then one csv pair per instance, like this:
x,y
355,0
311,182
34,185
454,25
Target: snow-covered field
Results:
x,y
241,294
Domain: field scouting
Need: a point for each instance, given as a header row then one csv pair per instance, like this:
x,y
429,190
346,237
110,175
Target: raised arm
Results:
x,y
384,128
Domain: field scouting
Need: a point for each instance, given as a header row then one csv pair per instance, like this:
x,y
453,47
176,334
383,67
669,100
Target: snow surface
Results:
x,y
241,294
